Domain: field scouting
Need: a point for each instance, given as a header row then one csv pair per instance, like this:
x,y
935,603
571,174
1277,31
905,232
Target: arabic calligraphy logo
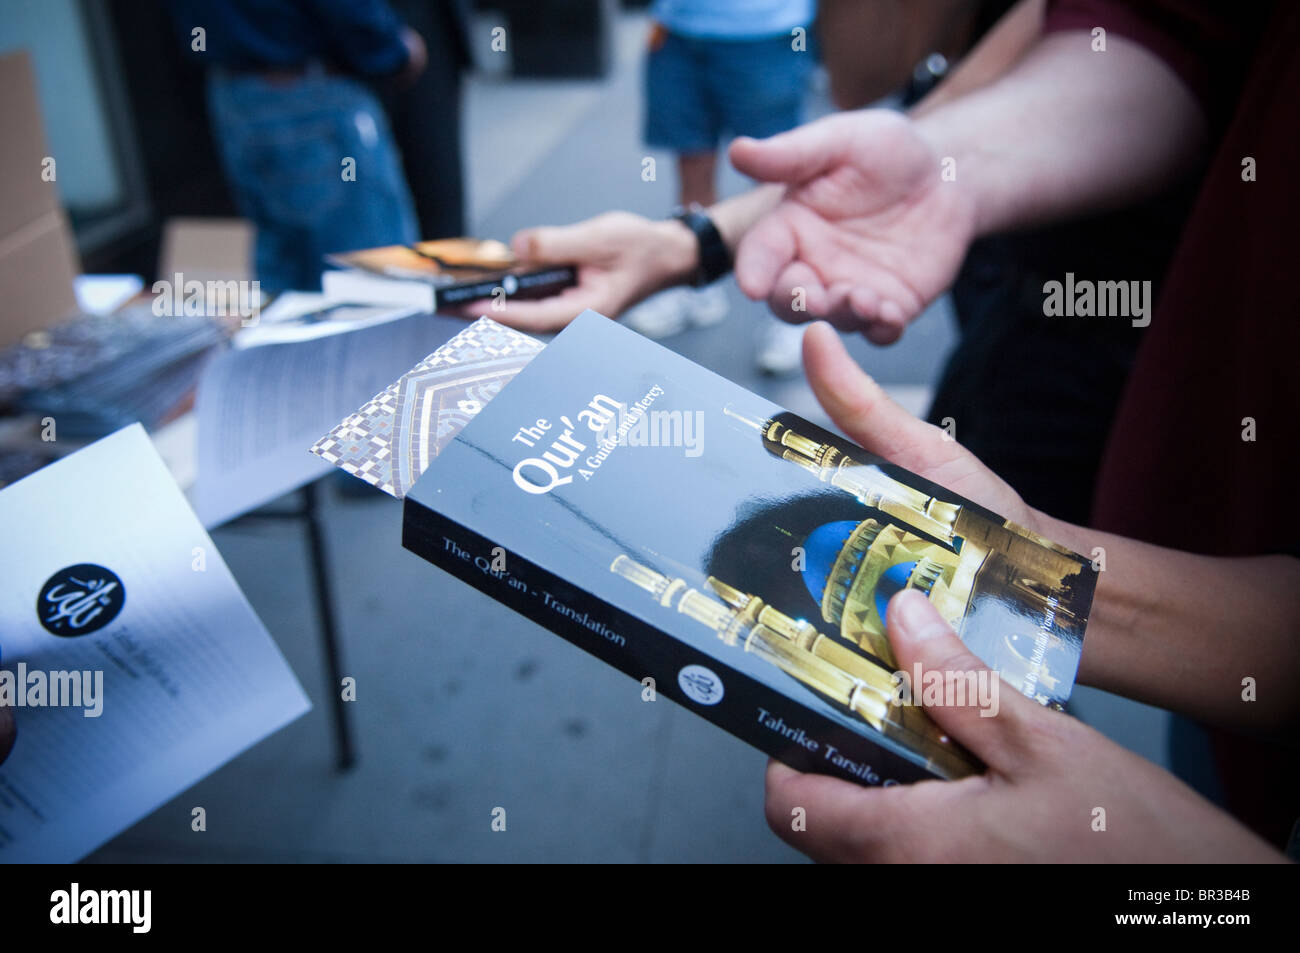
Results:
x,y
79,600
700,684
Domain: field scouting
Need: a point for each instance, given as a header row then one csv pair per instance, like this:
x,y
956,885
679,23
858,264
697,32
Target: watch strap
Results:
x,y
715,257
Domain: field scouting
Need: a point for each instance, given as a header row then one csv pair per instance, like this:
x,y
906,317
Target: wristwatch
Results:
x,y
715,256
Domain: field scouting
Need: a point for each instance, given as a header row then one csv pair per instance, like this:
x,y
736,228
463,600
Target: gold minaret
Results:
x,y
800,650
973,554
950,523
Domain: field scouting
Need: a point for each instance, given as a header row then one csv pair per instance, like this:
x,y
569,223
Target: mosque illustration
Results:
x,y
1013,596
796,647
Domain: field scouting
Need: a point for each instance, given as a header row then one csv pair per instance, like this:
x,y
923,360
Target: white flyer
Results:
x,y
261,407
130,660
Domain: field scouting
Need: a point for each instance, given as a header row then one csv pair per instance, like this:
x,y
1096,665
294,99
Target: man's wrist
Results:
x,y
960,166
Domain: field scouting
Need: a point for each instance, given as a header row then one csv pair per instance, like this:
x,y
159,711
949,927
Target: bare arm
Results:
x,y
622,258
1068,130
1181,631
870,46
880,210
735,216
1017,30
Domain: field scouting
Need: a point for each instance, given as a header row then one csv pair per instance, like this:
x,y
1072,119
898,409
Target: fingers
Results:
x,y
762,255
797,294
858,405
884,318
541,316
836,821
822,816
559,244
976,707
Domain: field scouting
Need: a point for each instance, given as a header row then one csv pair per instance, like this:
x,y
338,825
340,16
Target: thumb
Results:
x,y
791,157
961,694
552,244
860,407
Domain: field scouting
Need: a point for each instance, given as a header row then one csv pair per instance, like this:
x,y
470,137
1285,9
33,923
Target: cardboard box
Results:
x,y
38,259
207,249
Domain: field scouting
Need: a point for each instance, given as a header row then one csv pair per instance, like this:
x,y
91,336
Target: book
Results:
x,y
436,274
727,554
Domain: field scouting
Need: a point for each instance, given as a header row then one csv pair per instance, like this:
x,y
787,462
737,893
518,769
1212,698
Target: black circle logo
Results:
x,y
79,600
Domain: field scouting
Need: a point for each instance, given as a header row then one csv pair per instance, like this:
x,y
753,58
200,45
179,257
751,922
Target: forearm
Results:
x,y
735,216
1002,46
869,47
1183,631
1068,130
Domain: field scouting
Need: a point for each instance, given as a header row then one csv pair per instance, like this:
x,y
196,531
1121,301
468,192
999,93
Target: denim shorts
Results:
x,y
699,91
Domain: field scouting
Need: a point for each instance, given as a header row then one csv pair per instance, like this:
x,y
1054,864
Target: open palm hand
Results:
x,y
868,233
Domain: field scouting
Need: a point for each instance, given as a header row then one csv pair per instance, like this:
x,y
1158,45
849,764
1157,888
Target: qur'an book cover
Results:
x,y
687,531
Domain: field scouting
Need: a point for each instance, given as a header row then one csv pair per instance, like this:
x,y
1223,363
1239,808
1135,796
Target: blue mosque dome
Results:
x,y
893,580
820,549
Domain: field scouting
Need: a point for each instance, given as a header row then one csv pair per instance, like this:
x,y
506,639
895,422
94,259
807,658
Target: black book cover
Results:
x,y
461,269
687,531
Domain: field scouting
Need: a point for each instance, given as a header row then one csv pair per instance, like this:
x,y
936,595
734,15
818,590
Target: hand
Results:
x,y
868,228
417,58
8,731
869,417
1048,774
621,259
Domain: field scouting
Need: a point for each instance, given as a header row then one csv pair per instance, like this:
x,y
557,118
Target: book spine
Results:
x,y
536,284
752,711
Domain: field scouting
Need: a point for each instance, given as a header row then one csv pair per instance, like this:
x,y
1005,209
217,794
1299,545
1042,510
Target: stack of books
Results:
x,y
437,274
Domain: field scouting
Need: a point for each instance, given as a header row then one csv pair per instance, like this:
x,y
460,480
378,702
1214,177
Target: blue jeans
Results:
x,y
286,148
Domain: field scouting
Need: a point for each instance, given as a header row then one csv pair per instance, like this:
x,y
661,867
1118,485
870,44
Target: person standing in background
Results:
x,y
426,115
305,145
715,69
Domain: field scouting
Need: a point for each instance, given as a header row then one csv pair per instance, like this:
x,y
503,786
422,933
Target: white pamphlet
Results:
x,y
260,408
131,660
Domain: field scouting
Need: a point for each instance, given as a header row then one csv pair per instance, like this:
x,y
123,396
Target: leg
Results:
x,y
679,118
376,208
758,87
696,171
426,123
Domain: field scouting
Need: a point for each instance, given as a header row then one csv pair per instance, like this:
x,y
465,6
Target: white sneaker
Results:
x,y
708,306
661,315
780,347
